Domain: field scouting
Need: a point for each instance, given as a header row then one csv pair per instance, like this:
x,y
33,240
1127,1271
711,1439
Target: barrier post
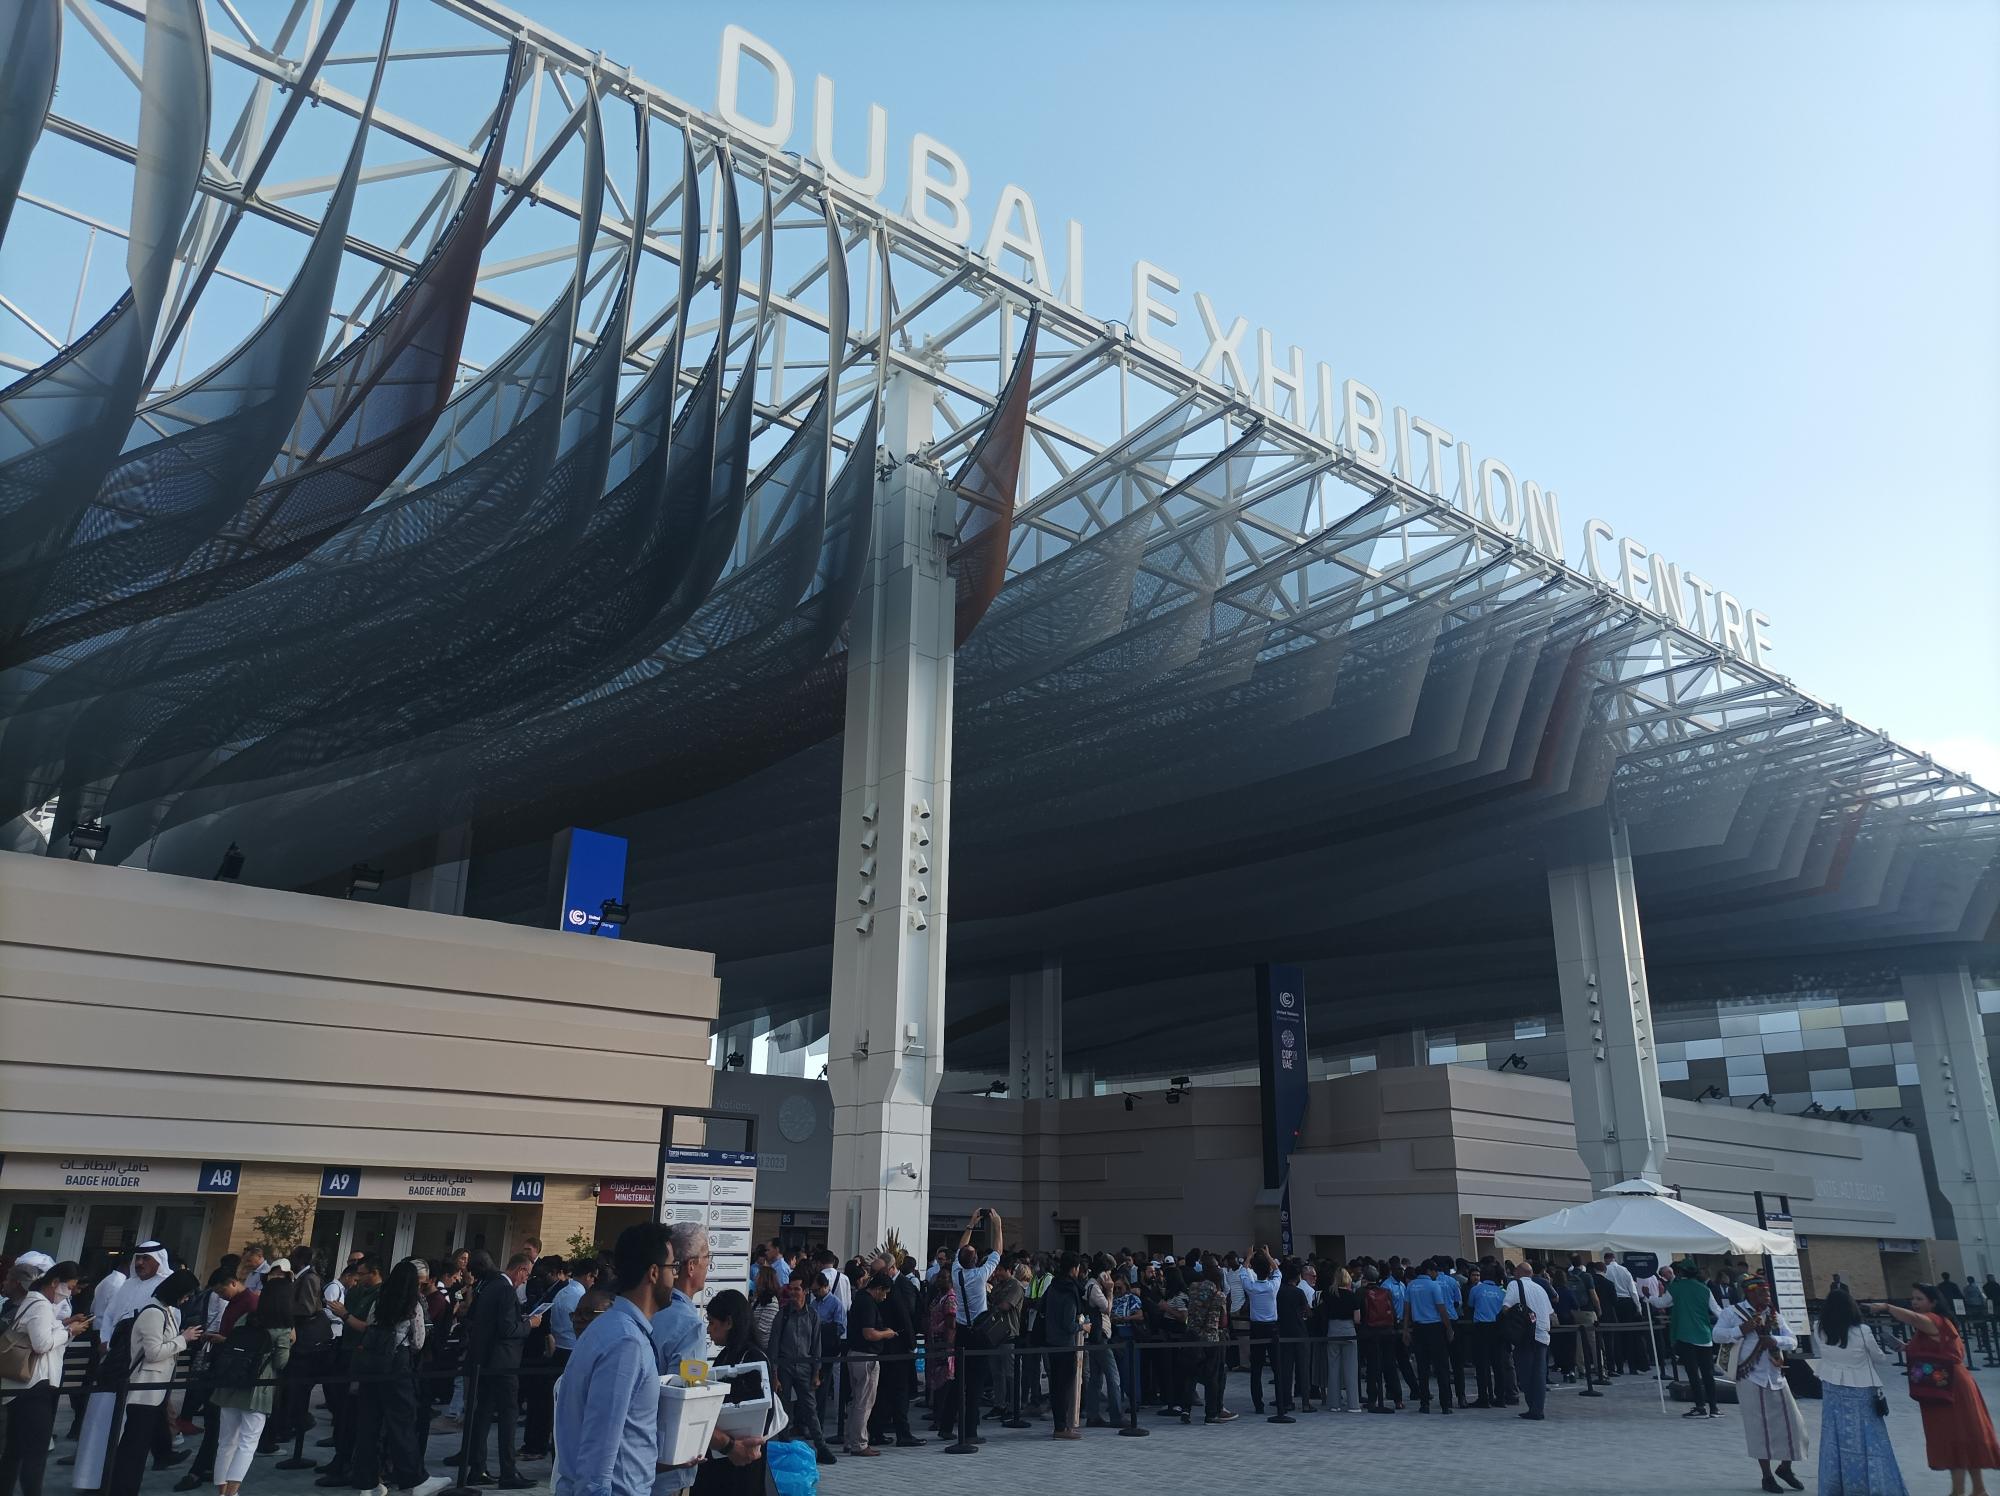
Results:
x,y
1014,1418
463,1486
1583,1352
1130,1428
962,1440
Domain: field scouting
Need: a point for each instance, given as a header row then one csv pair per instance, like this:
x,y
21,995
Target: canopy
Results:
x,y
1640,1216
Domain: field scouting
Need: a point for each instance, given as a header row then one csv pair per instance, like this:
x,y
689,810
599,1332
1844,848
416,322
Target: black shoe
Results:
x,y
1532,1417
1484,1402
1784,1473
825,1456
172,1458
1281,1418
911,1441
1695,1413
481,1478
1771,1484
1423,1407
192,1481
517,1483
324,1443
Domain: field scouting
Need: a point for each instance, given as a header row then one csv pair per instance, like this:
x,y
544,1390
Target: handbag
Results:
x,y
17,1357
1933,1379
985,1332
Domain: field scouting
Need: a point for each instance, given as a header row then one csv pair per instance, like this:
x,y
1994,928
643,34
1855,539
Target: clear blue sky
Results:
x,y
1722,274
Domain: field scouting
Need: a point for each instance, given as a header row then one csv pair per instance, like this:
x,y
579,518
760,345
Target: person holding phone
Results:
x,y
31,1411
969,1275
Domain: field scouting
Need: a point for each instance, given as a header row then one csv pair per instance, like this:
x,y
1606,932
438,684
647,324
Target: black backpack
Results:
x,y
1516,1319
114,1367
239,1359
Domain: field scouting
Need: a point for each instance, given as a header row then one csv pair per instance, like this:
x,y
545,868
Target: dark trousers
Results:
x,y
1212,1372
24,1453
1489,1362
495,1401
1459,1341
1378,1369
1698,1361
128,1465
1288,1373
1062,1388
1433,1362
538,1404
1631,1338
385,1434
1263,1352
829,1400
892,1404
204,1457
1531,1368
801,1399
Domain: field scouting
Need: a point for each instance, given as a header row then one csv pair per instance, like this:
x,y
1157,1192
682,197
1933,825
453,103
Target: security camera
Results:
x,y
866,896
920,893
864,924
921,810
920,865
917,920
921,836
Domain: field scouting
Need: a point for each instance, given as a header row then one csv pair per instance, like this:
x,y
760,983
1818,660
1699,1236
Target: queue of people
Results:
x,y
566,1357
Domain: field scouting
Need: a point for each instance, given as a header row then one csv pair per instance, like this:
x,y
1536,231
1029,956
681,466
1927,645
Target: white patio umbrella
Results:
x,y
1640,1216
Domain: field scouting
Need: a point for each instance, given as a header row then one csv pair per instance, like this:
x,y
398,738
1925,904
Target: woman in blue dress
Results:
x,y
1855,1456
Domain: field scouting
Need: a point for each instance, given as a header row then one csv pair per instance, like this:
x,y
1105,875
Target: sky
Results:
x,y
1720,274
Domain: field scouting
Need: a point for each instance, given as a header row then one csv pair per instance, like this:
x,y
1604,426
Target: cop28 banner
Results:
x,y
1281,1056
593,870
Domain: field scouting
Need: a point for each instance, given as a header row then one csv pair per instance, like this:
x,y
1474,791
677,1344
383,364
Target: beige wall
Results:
x,y
171,1017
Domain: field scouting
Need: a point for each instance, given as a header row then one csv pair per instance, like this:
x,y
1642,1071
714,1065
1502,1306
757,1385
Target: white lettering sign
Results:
x,y
1392,439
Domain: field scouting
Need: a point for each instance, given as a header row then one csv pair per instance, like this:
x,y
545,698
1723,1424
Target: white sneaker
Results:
x,y
432,1486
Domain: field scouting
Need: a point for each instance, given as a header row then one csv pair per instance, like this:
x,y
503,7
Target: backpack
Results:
x,y
238,1360
114,1368
1516,1319
1378,1309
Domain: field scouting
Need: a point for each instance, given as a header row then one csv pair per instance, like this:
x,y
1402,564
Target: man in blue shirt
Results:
x,y
968,1277
680,1332
1488,1349
832,1342
1454,1292
607,1418
1430,1331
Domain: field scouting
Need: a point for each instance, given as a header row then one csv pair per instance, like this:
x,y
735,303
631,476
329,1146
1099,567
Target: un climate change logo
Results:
x,y
578,917
1287,1000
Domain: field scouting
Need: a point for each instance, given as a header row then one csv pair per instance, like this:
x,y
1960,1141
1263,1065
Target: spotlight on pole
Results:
x,y
734,1060
232,865
613,913
361,878
87,836
1130,1101
1515,1061
1713,1093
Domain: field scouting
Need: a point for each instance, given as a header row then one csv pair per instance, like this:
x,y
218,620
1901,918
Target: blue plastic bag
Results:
x,y
794,1470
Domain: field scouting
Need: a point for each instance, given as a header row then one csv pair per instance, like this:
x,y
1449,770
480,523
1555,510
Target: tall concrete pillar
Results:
x,y
1614,1074
1401,1050
1956,1079
1034,1033
885,1055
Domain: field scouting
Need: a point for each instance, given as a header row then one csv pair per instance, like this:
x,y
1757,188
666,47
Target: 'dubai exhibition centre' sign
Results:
x,y
1347,415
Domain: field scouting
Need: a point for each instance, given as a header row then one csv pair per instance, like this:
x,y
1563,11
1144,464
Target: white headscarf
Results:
x,y
135,1292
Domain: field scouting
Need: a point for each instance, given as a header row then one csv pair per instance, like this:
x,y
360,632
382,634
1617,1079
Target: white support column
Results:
x,y
1614,1074
1034,1033
1956,1079
885,1053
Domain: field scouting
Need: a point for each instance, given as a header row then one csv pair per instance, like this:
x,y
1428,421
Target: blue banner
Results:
x,y
1281,1059
217,1178
593,871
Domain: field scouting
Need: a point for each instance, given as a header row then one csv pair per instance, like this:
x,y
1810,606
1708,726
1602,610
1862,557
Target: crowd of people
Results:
x,y
543,1359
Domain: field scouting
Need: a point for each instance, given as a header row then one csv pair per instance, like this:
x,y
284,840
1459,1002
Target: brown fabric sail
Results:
x,y
985,486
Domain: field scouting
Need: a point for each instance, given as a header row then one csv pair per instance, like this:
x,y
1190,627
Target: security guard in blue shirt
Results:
x,y
1431,1333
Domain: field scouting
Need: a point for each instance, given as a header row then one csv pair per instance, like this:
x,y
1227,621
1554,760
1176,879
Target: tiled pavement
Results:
x,y
1618,1443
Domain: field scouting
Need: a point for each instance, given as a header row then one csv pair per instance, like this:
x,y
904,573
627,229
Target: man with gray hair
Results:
x,y
680,1331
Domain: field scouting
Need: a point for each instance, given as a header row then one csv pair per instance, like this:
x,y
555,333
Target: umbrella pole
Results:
x,y
1659,1372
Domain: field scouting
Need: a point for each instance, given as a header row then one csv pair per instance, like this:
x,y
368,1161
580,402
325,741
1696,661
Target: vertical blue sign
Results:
x,y
1281,1057
593,871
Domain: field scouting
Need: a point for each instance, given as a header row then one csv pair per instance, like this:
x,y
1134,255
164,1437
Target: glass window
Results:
x,y
1877,1096
1741,1044
1829,1080
34,1226
1784,1043
1906,1054
178,1229
1673,1070
1820,1018
1531,1028
1863,1013
1899,1011
1871,1054
1775,1023
1734,1024
1906,1075
1704,1049
112,1226
486,1229
1670,1052
1825,1038
1745,1064
1443,1054
1749,1084
1989,1002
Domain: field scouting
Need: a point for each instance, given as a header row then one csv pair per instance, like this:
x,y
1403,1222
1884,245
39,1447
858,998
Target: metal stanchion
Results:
x,y
1589,1371
463,1486
299,1459
1014,1418
1130,1428
962,1442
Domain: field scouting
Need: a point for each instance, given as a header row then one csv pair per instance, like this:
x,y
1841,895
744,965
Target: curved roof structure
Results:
x,y
1225,686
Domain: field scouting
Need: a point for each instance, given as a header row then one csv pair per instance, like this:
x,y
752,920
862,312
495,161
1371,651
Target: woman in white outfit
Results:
x,y
157,1343
267,1330
31,1412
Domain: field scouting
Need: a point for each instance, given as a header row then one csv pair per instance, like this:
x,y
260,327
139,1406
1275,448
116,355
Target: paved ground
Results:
x,y
1619,1443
